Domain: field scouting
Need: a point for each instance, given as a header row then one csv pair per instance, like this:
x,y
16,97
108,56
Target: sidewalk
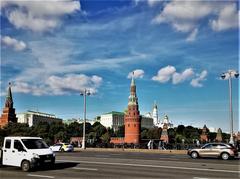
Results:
x,y
182,152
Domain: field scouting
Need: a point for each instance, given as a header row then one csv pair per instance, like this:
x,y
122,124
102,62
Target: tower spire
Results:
x,y
9,100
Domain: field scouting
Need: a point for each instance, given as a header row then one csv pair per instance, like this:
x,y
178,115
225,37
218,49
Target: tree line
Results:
x,y
98,133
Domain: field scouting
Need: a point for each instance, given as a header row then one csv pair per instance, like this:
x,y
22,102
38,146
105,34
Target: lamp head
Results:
x,y
236,75
223,76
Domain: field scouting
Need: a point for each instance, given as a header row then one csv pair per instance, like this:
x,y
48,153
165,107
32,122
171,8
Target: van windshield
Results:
x,y
34,143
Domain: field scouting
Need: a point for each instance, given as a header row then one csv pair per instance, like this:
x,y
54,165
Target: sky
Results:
x,y
52,50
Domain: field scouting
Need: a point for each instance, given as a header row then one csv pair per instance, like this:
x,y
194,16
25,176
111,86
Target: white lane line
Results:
x,y
90,169
153,166
164,160
40,176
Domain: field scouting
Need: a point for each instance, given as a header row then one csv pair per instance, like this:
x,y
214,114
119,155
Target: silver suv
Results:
x,y
225,151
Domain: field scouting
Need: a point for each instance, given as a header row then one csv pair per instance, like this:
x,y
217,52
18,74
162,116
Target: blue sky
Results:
x,y
51,50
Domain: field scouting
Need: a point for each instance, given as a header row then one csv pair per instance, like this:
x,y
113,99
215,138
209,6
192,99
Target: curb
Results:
x,y
178,152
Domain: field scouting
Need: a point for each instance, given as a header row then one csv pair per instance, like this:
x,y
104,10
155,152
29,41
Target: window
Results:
x,y
207,146
8,144
128,125
35,144
134,125
18,145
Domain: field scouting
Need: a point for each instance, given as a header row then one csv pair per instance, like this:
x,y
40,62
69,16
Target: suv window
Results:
x,y
221,146
208,146
8,143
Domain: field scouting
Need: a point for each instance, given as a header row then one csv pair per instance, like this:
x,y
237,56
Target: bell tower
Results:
x,y
132,117
8,114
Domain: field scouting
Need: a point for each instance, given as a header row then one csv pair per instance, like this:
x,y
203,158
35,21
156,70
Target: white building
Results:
x,y
116,119
166,121
155,114
32,118
112,119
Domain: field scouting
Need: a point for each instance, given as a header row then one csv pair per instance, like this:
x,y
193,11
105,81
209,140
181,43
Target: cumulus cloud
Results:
x,y
181,77
167,73
185,16
138,73
196,82
228,18
13,43
38,15
164,74
60,85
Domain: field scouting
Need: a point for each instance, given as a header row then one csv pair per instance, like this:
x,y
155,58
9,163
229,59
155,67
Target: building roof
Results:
x,y
115,113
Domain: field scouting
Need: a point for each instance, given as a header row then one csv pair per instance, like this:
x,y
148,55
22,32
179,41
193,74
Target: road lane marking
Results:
x,y
166,160
40,176
80,168
152,166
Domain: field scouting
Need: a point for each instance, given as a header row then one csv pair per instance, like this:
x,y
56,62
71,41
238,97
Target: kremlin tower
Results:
x,y
8,114
132,119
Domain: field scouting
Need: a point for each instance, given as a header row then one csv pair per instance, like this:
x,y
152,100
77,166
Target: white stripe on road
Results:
x,y
152,166
41,176
91,169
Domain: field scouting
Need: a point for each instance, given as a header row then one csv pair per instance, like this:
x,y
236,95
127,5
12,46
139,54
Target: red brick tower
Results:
x,y
132,118
164,135
204,135
8,114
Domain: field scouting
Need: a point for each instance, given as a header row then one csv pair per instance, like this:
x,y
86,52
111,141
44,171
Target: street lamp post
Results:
x,y
229,75
84,94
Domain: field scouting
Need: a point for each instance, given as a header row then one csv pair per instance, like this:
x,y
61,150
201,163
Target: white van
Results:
x,y
26,152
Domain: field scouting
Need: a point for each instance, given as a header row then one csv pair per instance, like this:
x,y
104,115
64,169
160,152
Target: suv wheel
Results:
x,y
25,166
194,155
225,156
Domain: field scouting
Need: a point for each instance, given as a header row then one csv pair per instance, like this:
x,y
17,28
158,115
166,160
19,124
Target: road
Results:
x,y
89,164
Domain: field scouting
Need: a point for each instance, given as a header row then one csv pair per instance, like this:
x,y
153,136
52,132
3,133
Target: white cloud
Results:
x,y
169,72
138,73
181,77
73,82
164,74
196,82
228,18
56,85
192,36
184,16
13,43
39,15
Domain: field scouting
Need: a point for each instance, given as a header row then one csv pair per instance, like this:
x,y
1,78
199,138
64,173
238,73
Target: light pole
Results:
x,y
229,75
84,94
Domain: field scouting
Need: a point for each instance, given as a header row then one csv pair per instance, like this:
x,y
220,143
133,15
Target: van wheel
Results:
x,y
225,156
194,155
25,166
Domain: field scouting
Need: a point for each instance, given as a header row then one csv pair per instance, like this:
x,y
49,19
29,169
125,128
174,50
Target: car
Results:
x,y
26,152
62,147
222,150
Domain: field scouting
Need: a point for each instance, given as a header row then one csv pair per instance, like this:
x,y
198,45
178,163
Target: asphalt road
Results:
x,y
86,164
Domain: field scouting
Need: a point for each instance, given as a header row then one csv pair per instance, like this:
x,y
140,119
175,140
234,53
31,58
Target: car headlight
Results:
x,y
35,155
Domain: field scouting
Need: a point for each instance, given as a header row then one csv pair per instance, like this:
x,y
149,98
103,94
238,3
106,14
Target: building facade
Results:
x,y
132,117
8,113
112,119
32,118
